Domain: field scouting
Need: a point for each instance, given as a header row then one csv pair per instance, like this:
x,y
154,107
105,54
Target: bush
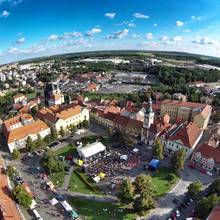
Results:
x,y
170,177
90,186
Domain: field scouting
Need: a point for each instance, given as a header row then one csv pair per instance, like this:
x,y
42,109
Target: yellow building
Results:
x,y
187,111
59,116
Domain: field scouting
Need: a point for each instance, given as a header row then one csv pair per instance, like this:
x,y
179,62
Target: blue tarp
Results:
x,y
153,165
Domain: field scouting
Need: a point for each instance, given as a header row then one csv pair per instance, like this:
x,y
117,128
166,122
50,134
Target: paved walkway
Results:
x,y
103,198
67,179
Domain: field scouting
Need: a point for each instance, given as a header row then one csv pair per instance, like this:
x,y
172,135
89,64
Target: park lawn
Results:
x,y
94,210
77,185
57,178
161,184
66,150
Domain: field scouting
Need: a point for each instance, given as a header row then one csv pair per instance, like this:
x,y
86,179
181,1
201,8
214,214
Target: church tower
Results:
x,y
148,120
148,116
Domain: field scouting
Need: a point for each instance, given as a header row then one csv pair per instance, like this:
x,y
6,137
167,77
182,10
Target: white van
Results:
x,y
37,215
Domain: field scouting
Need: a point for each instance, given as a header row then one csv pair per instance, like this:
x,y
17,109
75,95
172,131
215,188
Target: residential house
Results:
x,y
206,157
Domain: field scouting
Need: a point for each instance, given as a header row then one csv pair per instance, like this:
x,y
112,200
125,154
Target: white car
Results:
x,y
177,213
209,173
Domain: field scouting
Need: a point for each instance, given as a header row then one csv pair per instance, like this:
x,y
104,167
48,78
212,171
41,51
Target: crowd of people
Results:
x,y
112,162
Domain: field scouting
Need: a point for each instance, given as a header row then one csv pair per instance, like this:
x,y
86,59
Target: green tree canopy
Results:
x,y
143,184
215,187
178,159
16,154
205,206
194,188
158,150
22,196
126,192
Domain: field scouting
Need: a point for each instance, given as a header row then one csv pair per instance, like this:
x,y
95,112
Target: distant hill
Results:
x,y
131,53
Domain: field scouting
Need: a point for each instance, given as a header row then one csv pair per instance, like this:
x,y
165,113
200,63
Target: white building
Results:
x,y
59,116
18,129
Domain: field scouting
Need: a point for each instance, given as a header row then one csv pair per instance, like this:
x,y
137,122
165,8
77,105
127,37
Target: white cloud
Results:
x,y
53,37
94,31
70,34
179,23
20,41
5,14
155,25
196,18
164,38
131,24
140,15
110,15
118,34
176,38
12,2
149,36
13,50
136,35
186,31
205,41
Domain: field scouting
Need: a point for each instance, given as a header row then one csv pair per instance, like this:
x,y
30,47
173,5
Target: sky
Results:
x,y
33,28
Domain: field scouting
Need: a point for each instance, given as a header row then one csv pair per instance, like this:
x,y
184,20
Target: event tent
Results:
x,y
91,149
53,201
153,165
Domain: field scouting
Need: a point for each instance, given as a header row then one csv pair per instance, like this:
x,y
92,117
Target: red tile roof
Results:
x,y
215,214
187,134
208,152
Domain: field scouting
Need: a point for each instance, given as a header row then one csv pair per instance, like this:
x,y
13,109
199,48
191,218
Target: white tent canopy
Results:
x,y
53,201
33,204
124,157
135,150
91,149
66,206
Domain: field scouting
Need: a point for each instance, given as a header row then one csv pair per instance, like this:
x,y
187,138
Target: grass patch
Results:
x,y
161,181
57,178
78,185
66,150
93,210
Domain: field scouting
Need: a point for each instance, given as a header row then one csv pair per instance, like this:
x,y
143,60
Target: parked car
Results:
x,y
177,212
209,173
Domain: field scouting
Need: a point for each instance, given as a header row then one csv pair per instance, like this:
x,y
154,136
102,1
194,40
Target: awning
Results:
x,y
80,162
102,175
53,201
96,179
135,150
124,157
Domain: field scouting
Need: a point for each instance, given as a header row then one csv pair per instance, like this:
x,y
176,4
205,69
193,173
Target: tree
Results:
x,y
216,116
16,154
22,196
53,134
158,150
205,206
30,144
194,188
39,142
62,131
178,159
85,123
126,192
215,187
51,162
11,171
143,203
143,184
72,128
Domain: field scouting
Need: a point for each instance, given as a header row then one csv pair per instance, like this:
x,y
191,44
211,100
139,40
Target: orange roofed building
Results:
x,y
184,136
8,209
59,116
19,128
